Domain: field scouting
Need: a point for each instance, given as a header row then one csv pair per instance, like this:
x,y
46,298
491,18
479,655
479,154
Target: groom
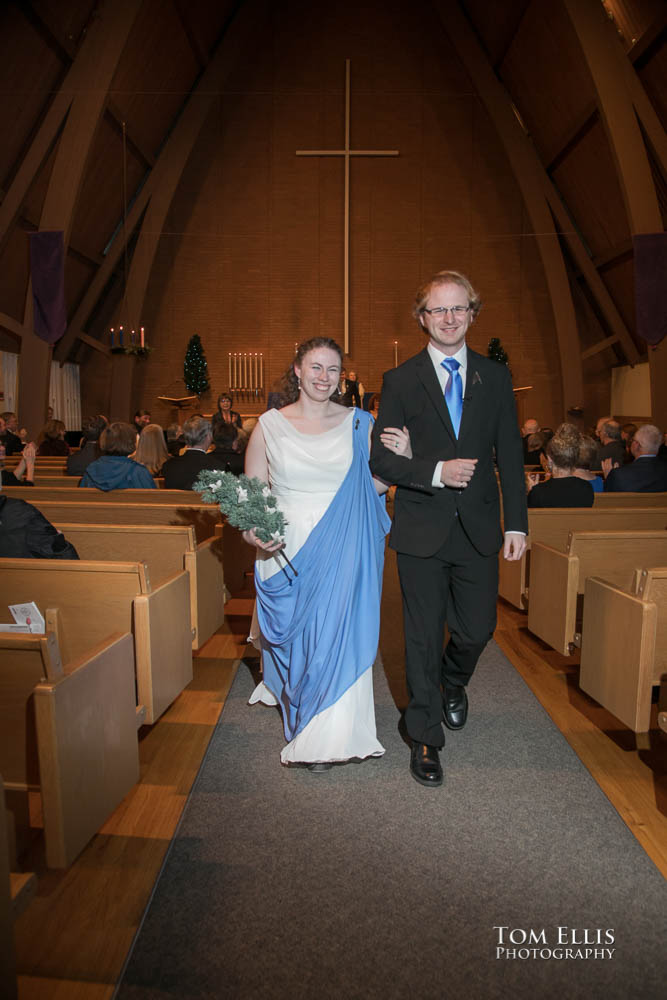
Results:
x,y
459,409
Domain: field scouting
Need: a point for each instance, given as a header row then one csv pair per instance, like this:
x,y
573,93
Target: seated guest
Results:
x,y
530,426
151,449
175,440
535,448
9,433
588,456
26,534
648,473
180,473
374,405
226,452
564,489
224,413
78,461
611,443
115,470
24,473
628,431
54,439
141,419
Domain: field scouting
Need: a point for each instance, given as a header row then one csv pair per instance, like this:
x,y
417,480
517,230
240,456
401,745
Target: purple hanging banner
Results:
x,y
47,271
650,252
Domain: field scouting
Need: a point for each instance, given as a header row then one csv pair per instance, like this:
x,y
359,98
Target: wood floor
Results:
x,y
73,939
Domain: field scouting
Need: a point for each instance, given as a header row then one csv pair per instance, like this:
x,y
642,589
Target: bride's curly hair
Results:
x,y
290,381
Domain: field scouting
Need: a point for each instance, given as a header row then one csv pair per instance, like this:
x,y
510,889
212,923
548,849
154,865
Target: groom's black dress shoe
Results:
x,y
425,764
455,707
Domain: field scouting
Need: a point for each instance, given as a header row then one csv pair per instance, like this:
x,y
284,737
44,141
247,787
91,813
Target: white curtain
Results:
x,y
64,389
9,371
65,395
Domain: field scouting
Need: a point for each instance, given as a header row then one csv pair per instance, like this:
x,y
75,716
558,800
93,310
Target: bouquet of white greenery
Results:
x,y
246,503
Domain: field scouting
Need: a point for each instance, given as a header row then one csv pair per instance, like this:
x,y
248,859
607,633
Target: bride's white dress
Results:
x,y
305,473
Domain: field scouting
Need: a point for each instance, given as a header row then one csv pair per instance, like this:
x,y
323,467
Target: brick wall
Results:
x,y
251,257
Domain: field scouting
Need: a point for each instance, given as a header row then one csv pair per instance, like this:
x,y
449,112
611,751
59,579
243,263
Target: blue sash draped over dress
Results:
x,y
319,629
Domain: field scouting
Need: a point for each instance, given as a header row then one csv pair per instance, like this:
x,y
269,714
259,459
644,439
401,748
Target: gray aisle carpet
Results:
x,y
359,883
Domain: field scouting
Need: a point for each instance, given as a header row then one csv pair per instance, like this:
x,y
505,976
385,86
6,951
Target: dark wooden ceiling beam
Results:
x,y
529,174
575,133
115,116
65,50
601,345
156,194
642,48
88,80
200,54
499,60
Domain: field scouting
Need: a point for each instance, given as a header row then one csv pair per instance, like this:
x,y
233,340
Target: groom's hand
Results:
x,y
458,472
515,546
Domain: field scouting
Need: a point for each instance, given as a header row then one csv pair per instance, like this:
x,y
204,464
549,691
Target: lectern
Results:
x,y
178,404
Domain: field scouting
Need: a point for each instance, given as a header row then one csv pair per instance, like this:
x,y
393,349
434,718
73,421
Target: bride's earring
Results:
x,y
298,382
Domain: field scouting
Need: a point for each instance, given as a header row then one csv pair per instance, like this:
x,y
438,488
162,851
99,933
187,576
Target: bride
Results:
x,y
319,614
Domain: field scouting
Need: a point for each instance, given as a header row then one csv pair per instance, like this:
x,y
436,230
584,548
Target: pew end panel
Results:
x,y
207,589
618,652
88,746
163,637
552,608
512,580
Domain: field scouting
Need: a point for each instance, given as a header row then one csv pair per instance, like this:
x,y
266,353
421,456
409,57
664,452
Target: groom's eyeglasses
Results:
x,y
458,312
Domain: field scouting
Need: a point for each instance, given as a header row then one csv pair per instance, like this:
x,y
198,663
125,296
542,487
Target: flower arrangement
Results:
x,y
246,503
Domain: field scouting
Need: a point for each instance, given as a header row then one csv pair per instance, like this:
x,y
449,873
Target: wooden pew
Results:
x,y
624,646
70,732
204,518
605,500
55,480
7,951
552,526
84,601
558,576
34,494
166,550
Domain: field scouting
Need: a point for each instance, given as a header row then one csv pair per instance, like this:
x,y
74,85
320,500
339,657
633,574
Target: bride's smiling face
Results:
x,y
319,372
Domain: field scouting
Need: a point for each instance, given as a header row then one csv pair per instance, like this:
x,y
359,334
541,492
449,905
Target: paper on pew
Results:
x,y
28,618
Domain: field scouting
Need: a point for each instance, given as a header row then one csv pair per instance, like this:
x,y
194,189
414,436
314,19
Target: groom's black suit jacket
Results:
x,y
423,514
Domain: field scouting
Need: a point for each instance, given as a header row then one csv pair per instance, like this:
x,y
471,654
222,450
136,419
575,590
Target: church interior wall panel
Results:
x,y
77,278
653,75
14,270
634,17
36,194
155,73
260,261
99,207
24,57
588,183
66,19
496,32
545,73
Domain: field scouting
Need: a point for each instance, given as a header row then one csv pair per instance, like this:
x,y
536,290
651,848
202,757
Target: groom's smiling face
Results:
x,y
447,331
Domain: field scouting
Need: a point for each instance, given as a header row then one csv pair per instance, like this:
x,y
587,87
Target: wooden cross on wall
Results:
x,y
347,153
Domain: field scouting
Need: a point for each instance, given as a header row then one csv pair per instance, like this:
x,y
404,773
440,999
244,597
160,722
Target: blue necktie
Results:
x,y
454,392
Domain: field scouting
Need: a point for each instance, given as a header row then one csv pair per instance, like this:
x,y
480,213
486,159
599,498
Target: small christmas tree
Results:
x,y
195,367
497,352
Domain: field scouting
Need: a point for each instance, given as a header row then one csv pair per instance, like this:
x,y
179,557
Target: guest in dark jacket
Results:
x,y
54,439
648,473
612,444
26,534
225,453
78,461
115,470
224,413
180,473
564,489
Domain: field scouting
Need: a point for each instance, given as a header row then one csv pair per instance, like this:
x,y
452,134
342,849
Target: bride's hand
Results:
x,y
251,538
397,440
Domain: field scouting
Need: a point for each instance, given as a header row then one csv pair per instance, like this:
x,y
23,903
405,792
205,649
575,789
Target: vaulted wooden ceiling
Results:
x,y
541,57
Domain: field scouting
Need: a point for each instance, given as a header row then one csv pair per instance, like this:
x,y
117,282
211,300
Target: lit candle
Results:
x,y
256,379
235,385
112,336
143,338
261,371
395,354
120,336
230,370
132,337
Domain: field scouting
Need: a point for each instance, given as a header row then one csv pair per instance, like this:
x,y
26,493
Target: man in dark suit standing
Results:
x,y
647,473
349,389
459,409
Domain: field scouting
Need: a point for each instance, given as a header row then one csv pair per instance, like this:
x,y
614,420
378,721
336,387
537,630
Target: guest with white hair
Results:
x,y
647,473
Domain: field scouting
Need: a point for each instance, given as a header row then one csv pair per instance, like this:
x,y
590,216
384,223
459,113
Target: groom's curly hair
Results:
x,y
290,380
